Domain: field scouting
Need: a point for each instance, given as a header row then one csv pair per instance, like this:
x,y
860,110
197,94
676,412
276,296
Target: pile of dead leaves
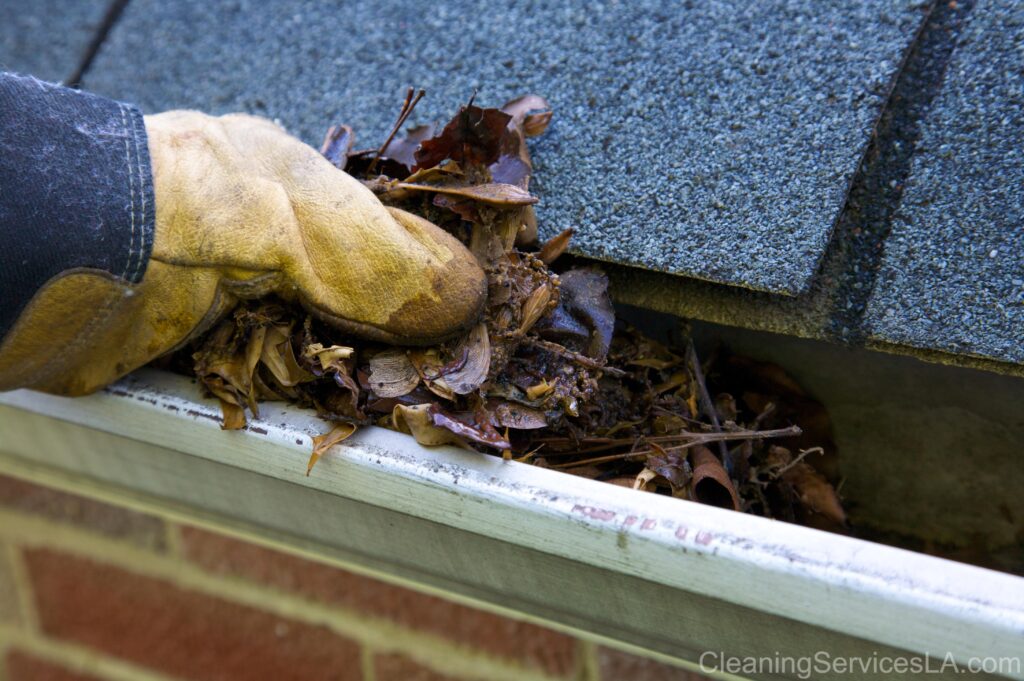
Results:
x,y
547,377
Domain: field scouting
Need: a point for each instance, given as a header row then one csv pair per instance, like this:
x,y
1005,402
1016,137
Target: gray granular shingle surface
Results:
x,y
47,38
953,273
709,139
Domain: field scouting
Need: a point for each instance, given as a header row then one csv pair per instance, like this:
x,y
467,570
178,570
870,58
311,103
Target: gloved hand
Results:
x,y
243,210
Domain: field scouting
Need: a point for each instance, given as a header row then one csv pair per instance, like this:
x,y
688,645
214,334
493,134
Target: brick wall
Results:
x,y
90,591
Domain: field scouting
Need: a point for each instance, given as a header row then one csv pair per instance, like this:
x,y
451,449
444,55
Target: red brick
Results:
x,y
112,521
526,644
24,667
183,633
8,590
401,668
615,665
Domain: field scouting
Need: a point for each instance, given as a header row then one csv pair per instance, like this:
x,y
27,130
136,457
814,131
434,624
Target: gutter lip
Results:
x,y
884,594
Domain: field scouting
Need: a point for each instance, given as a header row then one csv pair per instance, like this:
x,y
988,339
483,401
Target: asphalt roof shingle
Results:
x,y
710,140
713,140
47,38
952,277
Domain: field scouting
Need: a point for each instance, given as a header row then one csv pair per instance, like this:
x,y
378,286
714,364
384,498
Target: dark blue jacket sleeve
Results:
x,y
76,189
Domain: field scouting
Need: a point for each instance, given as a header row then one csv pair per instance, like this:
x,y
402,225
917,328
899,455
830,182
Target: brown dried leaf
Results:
x,y
428,362
493,194
676,380
321,443
440,388
392,374
536,124
476,349
416,420
776,457
472,136
253,350
234,415
469,426
711,484
264,391
403,149
554,247
466,209
644,481
672,466
668,424
331,357
279,358
449,172
535,307
655,363
725,407
228,376
540,390
815,492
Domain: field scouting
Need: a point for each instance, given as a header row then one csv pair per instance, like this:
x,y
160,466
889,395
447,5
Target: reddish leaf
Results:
x,y
403,149
473,136
464,208
469,426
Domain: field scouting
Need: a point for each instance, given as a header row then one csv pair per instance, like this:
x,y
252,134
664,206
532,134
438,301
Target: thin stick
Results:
x,y
698,439
574,356
768,410
705,401
798,459
682,435
619,457
407,107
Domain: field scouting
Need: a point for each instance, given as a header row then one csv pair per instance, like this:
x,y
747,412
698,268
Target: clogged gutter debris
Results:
x,y
548,376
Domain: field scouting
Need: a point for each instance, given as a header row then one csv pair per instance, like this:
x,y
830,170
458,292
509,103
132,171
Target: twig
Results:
x,y
574,356
407,107
669,412
798,459
698,439
740,434
705,401
768,410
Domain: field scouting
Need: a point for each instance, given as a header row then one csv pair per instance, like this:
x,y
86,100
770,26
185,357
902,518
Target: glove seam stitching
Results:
x,y
142,198
131,190
90,330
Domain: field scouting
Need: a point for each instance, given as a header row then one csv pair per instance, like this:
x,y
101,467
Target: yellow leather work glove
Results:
x,y
244,210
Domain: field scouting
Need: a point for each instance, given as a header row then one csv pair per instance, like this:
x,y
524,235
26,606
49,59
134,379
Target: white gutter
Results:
x,y
705,578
